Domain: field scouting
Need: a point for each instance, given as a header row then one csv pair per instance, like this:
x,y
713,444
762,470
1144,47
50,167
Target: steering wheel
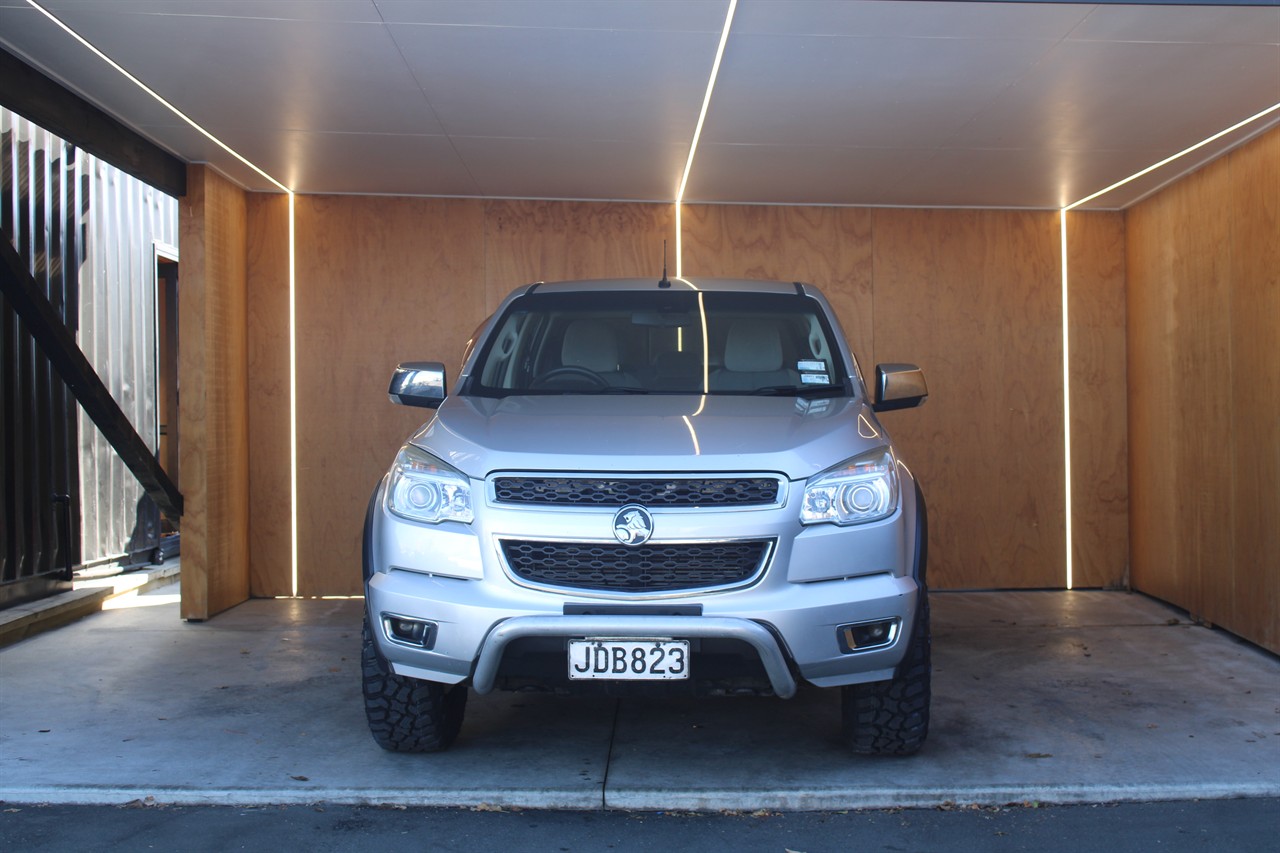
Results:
x,y
569,370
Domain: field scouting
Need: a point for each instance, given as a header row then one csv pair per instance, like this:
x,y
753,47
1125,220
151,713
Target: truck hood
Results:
x,y
787,435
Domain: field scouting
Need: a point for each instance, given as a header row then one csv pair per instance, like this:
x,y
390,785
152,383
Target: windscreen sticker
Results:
x,y
813,371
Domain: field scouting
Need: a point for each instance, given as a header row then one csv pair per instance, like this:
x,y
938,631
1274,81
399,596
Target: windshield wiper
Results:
x,y
591,392
798,391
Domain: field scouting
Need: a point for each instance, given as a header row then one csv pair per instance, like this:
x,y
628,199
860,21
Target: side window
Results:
x,y
819,348
499,368
546,355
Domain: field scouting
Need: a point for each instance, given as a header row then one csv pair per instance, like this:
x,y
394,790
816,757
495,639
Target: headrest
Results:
x,y
753,346
589,344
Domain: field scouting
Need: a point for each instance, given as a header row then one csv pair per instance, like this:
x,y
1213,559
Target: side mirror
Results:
x,y
418,383
899,386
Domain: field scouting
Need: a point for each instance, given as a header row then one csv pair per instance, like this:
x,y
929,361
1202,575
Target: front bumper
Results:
x,y
793,629
819,579
634,627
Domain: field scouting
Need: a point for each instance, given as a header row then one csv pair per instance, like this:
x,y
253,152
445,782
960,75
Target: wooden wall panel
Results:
x,y
213,375
1202,360
826,246
1153,506
1099,402
1187,300
528,241
974,298
267,320
1254,195
379,281
1204,386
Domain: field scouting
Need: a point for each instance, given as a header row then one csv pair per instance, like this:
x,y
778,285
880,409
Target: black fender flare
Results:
x,y
366,550
919,569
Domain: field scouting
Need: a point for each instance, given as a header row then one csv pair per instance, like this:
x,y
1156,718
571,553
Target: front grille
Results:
x,y
648,568
651,492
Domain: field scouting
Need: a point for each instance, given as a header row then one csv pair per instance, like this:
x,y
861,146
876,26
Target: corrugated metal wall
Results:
x,y
43,209
108,224
127,218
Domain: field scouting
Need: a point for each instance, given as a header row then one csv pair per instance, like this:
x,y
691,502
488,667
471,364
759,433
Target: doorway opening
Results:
x,y
167,388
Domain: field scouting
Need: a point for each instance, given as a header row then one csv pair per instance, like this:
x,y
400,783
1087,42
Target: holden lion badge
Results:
x,y
632,525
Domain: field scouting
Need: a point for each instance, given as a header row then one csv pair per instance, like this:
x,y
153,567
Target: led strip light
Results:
x,y
697,133
293,332
1066,397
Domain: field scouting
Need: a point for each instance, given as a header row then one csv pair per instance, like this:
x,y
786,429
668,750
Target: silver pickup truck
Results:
x,y
649,485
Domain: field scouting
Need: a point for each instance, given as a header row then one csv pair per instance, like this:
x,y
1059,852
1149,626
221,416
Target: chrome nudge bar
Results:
x,y
634,627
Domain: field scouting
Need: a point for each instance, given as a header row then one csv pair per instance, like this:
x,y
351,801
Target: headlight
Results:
x,y
861,489
425,489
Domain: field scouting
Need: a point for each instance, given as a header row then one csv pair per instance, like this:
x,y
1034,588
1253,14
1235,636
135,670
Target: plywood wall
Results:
x,y
1099,410
1204,392
528,241
383,280
379,280
212,372
267,321
974,297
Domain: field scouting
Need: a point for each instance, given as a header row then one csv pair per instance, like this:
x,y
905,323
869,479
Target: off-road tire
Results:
x,y
892,717
408,714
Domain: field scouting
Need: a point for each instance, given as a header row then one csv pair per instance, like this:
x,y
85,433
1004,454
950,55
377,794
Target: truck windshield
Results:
x,y
661,342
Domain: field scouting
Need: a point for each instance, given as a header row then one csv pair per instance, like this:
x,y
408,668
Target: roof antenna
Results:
x,y
665,282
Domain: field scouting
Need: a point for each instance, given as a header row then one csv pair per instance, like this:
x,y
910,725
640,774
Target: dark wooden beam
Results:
x,y
59,346
46,102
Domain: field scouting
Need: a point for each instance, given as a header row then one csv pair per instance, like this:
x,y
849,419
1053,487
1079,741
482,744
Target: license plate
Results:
x,y
628,660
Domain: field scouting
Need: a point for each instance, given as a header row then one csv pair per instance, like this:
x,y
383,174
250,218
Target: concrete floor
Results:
x,y
1049,697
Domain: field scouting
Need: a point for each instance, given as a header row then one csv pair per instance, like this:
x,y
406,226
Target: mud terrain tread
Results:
x,y
408,714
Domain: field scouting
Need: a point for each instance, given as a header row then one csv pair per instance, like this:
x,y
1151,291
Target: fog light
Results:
x,y
409,632
862,636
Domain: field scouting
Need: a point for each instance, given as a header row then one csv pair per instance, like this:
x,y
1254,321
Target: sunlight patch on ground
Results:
x,y
133,599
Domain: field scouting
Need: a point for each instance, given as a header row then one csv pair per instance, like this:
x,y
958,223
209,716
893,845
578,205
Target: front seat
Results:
x,y
752,358
593,345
